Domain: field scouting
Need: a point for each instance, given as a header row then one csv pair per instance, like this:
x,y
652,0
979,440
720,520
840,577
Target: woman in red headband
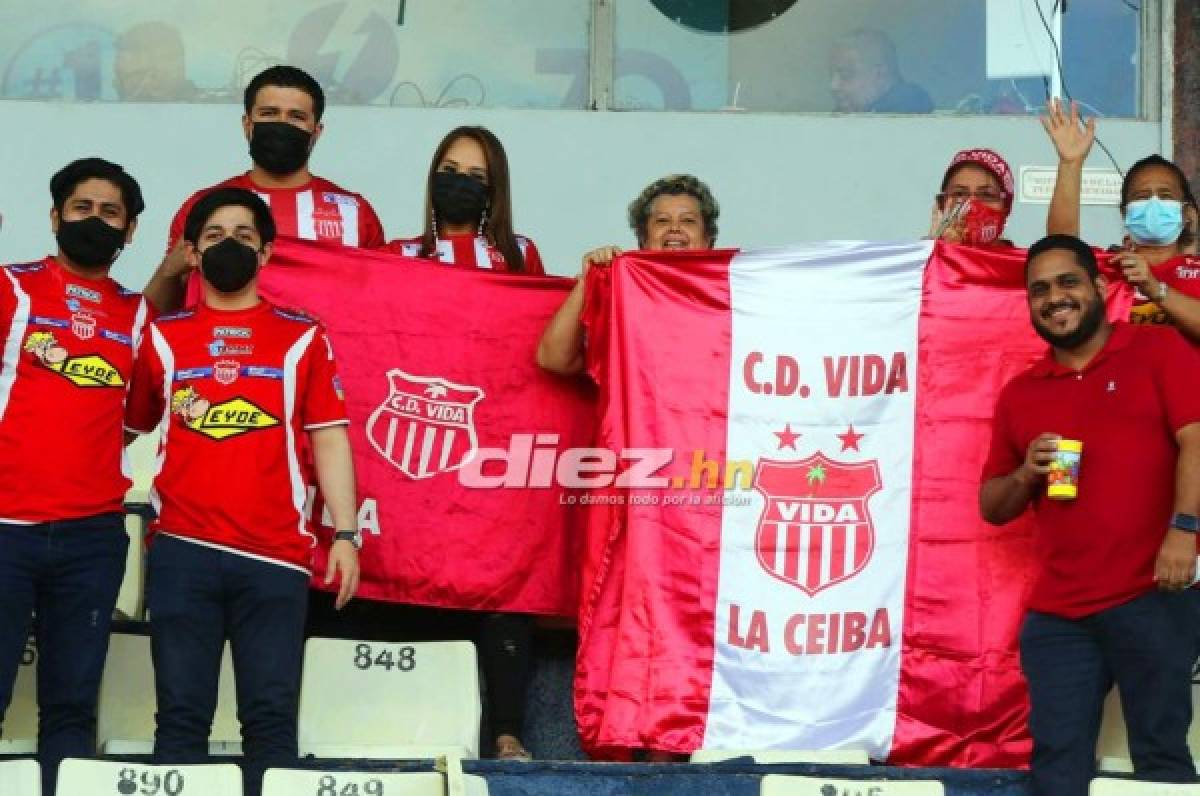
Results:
x,y
975,200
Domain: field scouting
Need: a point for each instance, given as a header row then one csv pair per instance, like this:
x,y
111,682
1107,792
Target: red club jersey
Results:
x,y
66,362
1180,273
472,250
317,210
235,390
1098,550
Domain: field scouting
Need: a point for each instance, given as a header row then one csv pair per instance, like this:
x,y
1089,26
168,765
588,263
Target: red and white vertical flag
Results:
x,y
812,572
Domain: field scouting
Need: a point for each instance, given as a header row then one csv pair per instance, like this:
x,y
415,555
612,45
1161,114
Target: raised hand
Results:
x,y
1072,138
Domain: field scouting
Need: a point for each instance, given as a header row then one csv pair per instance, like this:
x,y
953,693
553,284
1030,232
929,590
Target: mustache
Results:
x,y
1050,309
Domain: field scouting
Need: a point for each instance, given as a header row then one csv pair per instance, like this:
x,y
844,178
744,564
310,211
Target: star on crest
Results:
x,y
850,439
787,437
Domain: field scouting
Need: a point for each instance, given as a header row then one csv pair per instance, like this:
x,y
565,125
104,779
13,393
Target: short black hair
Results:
x,y
64,182
285,76
1084,256
217,198
1157,160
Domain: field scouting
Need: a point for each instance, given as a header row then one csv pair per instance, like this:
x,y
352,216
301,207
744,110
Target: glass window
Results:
x,y
463,53
818,56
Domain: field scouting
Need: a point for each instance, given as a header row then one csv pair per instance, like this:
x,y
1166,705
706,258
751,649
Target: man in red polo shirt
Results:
x,y
282,124
1110,601
235,384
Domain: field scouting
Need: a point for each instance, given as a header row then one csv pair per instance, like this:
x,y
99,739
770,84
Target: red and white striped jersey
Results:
x,y
317,210
67,359
235,391
472,250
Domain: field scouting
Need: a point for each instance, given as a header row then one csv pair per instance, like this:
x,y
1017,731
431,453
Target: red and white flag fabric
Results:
x,y
809,571
438,367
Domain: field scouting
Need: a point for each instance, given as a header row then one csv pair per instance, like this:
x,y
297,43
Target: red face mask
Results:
x,y
982,224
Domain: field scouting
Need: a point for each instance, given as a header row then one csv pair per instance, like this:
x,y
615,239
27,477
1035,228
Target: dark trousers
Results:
x,y
198,597
1147,647
66,575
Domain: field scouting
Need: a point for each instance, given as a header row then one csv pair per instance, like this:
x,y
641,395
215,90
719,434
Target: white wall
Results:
x,y
779,178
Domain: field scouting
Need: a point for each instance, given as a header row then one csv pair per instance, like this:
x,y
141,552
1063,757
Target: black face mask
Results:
x,y
90,242
278,147
229,265
458,198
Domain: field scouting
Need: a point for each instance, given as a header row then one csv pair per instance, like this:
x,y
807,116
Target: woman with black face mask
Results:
x,y
468,208
468,221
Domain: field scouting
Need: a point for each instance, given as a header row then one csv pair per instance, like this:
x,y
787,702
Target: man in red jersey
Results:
x,y
70,333
235,382
1110,600
282,124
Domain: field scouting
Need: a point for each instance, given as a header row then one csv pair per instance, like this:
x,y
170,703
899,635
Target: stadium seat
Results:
x,y
338,751
1112,749
1103,786
105,778
781,785
18,733
131,603
288,782
843,756
474,785
389,695
20,778
125,716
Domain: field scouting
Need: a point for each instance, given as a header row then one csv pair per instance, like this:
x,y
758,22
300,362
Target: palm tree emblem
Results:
x,y
816,475
435,391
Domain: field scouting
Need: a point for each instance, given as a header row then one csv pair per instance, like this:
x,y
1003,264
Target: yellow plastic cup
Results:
x,y
1062,483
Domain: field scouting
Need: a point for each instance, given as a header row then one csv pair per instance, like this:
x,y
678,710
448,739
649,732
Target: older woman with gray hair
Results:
x,y
676,212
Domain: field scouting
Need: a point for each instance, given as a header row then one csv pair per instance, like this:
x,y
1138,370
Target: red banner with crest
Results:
x,y
452,425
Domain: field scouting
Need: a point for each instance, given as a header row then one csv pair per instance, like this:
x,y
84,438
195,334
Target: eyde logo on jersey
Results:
x,y
220,421
816,529
426,424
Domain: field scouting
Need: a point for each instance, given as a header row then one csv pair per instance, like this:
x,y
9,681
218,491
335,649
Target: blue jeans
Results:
x,y
66,575
1147,647
198,597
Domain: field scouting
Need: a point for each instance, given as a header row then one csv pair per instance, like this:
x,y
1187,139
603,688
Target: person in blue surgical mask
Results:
x,y
1160,214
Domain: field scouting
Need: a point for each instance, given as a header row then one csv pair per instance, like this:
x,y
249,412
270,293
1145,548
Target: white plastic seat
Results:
x,y
839,756
780,785
361,696
18,733
288,782
1103,786
20,778
475,785
1112,748
125,715
334,751
105,778
131,599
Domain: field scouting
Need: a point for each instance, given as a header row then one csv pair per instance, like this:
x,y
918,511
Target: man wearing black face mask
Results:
x,y
1110,601
72,332
282,124
237,382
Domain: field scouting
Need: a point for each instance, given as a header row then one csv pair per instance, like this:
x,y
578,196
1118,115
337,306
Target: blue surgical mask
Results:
x,y
1154,221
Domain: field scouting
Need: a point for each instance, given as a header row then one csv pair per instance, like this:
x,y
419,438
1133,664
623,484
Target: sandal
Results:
x,y
509,747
